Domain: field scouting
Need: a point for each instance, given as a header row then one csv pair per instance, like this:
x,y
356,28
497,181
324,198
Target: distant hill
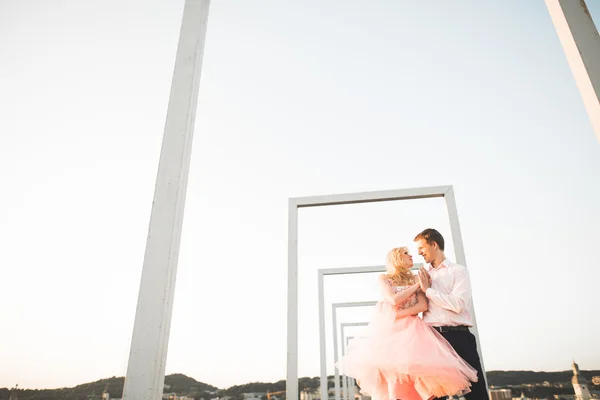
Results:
x,y
180,383
515,378
263,387
541,385
175,383
184,385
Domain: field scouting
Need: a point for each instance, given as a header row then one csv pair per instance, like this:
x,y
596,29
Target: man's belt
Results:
x,y
460,328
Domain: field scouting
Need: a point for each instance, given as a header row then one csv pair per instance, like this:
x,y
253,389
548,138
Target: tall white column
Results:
x,y
322,347
148,354
459,253
581,43
291,387
336,372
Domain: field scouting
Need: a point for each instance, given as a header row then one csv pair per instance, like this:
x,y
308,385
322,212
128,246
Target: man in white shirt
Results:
x,y
448,290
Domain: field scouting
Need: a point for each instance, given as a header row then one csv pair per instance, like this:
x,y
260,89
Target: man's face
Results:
x,y
427,251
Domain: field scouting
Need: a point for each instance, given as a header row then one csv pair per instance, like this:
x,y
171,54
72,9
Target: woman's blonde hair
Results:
x,y
397,272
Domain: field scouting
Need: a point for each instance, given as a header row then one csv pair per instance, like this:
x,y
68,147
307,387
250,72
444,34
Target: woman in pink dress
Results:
x,y
401,357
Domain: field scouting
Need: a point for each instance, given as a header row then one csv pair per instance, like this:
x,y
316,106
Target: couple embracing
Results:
x,y
404,357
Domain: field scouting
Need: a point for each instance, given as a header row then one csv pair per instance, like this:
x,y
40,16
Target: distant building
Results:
x,y
106,396
171,396
580,384
500,394
254,396
13,393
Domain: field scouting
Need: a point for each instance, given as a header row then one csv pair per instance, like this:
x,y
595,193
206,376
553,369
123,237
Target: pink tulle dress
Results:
x,y
404,358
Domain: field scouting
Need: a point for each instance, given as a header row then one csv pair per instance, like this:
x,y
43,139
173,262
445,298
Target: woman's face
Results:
x,y
407,260
399,258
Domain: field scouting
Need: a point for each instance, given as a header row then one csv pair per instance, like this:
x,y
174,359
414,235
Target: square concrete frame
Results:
x,y
322,341
346,379
349,381
445,192
334,308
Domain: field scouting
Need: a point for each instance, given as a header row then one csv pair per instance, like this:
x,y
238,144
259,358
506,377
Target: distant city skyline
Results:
x,y
296,99
574,366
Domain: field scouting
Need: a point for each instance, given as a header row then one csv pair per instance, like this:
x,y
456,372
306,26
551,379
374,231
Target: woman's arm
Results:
x,y
421,306
395,298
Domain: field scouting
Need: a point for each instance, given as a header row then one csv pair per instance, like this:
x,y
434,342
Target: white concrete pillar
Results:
x,y
323,380
148,354
581,43
291,387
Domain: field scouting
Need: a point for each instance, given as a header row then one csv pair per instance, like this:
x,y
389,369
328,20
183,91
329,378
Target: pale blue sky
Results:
x,y
296,99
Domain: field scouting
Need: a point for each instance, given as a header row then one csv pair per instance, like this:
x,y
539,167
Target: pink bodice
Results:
x,y
411,301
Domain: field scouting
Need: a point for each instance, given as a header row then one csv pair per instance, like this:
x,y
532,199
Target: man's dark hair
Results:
x,y
430,235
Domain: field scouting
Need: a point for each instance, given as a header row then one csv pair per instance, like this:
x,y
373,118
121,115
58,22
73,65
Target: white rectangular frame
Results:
x,y
445,192
346,384
350,382
334,308
322,341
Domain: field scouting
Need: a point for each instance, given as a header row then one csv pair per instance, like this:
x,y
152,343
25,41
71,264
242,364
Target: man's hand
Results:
x,y
424,279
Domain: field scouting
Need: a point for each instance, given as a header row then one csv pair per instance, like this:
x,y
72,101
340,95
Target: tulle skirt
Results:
x,y
404,358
